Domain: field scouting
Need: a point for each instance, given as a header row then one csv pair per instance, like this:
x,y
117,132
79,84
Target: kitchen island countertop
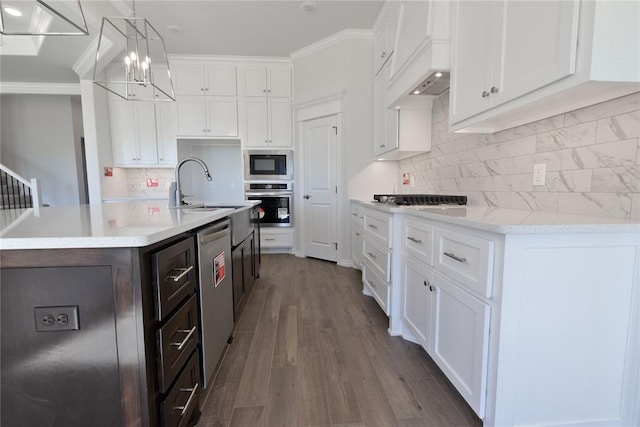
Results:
x,y
102,225
514,221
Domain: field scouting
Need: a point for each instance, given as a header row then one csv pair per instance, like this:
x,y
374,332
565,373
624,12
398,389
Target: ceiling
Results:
x,y
204,27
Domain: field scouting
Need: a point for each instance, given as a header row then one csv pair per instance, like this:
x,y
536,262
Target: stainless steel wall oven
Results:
x,y
276,209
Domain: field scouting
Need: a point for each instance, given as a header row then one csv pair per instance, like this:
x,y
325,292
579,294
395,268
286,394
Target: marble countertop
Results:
x,y
105,225
514,221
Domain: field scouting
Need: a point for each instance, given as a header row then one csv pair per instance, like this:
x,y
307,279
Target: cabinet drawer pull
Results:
x,y
269,239
372,256
457,258
383,145
373,227
193,391
189,332
184,270
414,240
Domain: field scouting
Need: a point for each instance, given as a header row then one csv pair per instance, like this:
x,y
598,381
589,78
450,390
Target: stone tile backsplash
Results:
x,y
592,159
137,182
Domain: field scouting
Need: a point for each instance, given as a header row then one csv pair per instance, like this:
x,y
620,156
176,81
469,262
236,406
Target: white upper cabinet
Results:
x,y
204,79
264,80
514,62
166,133
133,133
206,103
266,122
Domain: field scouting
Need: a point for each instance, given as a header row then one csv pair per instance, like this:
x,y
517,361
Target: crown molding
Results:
x,y
227,58
39,88
348,34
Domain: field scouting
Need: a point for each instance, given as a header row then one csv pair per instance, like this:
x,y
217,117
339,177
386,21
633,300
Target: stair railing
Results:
x,y
17,192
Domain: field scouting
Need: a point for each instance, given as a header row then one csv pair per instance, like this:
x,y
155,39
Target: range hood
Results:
x,y
419,56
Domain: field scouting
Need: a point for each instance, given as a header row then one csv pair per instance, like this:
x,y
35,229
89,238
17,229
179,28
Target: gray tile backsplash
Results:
x,y
592,158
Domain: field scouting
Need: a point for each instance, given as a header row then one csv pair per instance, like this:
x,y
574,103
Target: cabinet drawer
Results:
x,y
357,215
174,276
176,340
376,286
418,241
378,257
466,259
183,401
283,240
379,225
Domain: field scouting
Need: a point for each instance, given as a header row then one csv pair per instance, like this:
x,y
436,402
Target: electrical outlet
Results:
x,y
58,318
539,173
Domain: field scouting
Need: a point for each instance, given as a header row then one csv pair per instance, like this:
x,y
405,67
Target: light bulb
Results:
x,y
416,92
127,60
438,74
133,56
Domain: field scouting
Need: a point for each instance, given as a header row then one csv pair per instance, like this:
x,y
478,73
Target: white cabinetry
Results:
x,y
517,62
265,105
275,239
206,100
399,133
377,243
357,223
266,122
384,33
451,324
264,80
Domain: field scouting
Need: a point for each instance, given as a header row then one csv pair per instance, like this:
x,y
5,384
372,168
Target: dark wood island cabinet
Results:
x,y
100,316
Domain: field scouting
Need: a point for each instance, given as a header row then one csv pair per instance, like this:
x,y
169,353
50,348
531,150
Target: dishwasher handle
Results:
x,y
214,233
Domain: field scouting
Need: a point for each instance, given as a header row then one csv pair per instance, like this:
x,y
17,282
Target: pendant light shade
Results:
x,y
135,58
42,18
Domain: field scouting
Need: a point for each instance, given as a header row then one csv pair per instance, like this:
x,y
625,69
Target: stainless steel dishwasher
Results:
x,y
216,294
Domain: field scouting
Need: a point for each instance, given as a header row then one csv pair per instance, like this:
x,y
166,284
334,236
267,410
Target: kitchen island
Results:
x,y
100,314
533,316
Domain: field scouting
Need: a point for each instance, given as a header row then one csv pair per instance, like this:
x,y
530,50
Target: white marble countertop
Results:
x,y
105,225
514,221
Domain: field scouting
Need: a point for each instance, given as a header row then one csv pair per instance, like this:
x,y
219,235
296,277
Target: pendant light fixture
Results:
x,y
42,18
135,58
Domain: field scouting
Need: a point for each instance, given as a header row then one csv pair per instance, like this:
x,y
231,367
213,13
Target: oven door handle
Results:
x,y
270,194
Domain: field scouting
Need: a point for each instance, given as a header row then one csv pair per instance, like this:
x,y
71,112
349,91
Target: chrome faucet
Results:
x,y
175,199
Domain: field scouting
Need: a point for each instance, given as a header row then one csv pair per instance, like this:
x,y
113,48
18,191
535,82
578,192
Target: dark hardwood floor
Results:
x,y
311,350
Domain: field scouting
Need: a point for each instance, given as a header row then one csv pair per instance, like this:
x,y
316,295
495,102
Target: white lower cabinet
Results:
x,y
273,237
416,307
460,340
357,221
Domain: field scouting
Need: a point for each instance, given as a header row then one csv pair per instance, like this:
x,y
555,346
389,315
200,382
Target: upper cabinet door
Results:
x,y
537,46
145,121
252,80
279,122
123,138
222,116
471,61
188,79
190,116
279,82
166,133
256,122
221,80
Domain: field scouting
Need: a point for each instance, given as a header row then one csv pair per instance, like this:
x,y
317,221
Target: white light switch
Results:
x,y
539,172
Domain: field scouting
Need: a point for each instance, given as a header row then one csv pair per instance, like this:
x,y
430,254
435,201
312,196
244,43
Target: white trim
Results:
x,y
228,58
320,106
348,34
85,63
15,175
40,88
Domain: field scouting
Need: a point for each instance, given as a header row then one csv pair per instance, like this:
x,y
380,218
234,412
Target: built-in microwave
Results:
x,y
268,165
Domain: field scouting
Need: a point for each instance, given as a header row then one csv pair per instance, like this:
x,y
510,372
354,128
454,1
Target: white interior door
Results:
x,y
320,191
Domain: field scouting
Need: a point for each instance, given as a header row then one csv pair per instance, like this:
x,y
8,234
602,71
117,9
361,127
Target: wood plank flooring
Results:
x,y
310,350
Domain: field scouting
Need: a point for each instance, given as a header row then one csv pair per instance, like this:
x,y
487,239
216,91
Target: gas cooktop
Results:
x,y
419,199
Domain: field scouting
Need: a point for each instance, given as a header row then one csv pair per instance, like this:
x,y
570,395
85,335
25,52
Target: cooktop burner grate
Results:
x,y
420,199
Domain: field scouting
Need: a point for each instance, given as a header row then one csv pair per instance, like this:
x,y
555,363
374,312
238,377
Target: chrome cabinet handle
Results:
x,y
183,409
453,256
383,145
181,344
485,94
269,239
371,226
372,256
414,240
494,89
426,283
184,270
306,196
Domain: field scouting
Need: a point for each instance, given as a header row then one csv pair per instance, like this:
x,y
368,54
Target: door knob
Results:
x,y
306,196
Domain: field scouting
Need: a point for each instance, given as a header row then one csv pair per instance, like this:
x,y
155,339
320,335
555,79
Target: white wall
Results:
x,y
38,140
347,66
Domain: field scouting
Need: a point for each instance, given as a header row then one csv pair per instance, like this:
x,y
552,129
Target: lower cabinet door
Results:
x,y
416,307
182,405
460,340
